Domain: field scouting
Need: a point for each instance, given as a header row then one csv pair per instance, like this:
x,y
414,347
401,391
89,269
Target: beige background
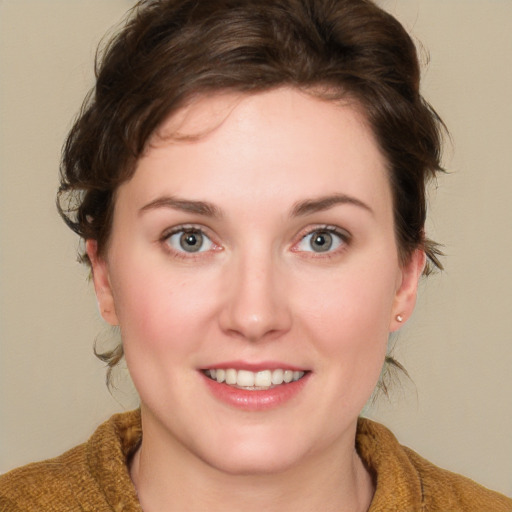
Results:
x,y
457,347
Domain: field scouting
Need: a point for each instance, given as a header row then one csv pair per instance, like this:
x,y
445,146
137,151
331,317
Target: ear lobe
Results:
x,y
407,289
101,283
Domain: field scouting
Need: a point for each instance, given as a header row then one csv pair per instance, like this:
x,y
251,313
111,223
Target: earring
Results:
x,y
399,318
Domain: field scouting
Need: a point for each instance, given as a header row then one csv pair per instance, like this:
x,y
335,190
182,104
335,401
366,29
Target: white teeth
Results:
x,y
277,377
245,379
263,379
231,376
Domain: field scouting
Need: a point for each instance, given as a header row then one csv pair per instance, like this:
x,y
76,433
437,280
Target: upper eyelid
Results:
x,y
344,233
301,233
166,233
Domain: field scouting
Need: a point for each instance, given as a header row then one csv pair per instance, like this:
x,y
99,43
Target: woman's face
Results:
x,y
262,250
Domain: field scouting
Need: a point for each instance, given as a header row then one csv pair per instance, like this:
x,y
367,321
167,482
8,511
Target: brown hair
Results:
x,y
171,51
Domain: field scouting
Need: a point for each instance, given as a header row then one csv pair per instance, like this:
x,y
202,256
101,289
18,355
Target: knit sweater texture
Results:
x,y
94,477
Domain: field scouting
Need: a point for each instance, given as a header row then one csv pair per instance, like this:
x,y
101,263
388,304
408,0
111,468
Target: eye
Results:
x,y
189,240
322,240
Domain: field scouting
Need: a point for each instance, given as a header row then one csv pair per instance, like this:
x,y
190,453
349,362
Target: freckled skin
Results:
x,y
257,291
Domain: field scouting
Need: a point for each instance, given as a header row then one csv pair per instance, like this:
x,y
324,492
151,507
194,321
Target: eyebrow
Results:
x,y
320,204
184,205
300,208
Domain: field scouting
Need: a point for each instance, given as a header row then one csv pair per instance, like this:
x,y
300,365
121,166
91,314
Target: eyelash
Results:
x,y
343,236
184,229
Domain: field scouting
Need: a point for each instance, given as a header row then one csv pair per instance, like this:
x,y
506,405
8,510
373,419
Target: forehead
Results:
x,y
203,115
282,141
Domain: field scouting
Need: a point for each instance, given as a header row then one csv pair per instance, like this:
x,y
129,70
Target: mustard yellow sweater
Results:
x,y
93,477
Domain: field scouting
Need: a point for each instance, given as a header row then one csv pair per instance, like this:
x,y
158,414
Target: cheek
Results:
x,y
158,311
345,319
348,313
353,299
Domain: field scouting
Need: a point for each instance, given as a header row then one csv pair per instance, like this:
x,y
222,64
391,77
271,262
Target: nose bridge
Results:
x,y
255,307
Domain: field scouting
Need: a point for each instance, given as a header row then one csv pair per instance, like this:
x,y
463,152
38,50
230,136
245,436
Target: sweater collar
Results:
x,y
108,453
397,483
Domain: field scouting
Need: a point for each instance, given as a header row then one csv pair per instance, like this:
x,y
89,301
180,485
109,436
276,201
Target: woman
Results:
x,y
249,178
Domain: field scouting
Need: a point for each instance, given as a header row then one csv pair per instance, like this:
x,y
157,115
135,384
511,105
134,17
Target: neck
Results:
x,y
168,478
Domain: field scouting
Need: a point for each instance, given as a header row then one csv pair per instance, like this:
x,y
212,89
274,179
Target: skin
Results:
x,y
259,291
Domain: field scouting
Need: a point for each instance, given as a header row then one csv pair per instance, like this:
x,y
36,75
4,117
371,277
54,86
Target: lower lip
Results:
x,y
257,400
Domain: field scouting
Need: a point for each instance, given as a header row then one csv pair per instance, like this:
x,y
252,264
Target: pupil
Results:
x,y
191,242
322,242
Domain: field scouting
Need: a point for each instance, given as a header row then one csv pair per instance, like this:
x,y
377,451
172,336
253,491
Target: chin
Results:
x,y
257,461
259,453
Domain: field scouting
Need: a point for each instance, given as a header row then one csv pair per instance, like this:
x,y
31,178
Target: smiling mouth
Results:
x,y
253,381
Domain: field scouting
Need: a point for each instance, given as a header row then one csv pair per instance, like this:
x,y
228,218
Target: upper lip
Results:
x,y
254,366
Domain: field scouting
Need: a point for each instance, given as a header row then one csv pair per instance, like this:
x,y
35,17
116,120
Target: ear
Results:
x,y
101,280
407,289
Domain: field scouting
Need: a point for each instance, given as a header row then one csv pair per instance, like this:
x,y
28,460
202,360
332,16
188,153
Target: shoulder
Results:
x,y
84,478
406,481
43,483
445,488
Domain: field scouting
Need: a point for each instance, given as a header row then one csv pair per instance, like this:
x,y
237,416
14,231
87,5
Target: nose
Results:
x,y
256,306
